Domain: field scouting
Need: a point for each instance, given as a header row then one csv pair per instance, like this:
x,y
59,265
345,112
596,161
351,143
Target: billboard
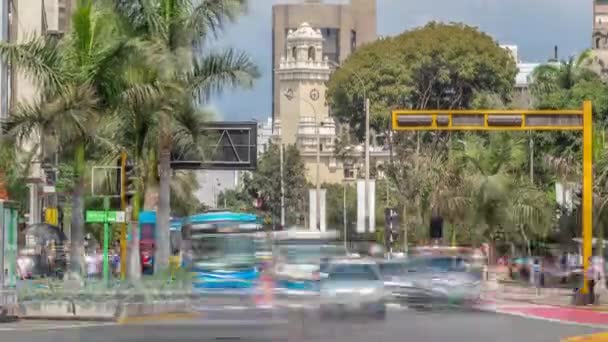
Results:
x,y
227,146
371,205
312,200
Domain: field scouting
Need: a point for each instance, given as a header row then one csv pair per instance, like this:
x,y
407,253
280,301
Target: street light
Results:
x,y
290,96
366,106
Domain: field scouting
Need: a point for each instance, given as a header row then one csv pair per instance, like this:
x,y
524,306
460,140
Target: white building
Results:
x,y
264,136
20,20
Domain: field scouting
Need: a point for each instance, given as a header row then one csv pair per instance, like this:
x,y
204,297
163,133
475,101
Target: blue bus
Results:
x,y
222,250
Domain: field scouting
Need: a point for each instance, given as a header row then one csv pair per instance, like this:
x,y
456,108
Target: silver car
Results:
x,y
435,280
352,285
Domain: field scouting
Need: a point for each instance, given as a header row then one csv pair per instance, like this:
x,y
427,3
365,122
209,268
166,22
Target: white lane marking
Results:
x,y
57,327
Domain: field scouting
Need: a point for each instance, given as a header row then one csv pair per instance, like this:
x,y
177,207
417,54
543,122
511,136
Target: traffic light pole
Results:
x,y
106,241
123,207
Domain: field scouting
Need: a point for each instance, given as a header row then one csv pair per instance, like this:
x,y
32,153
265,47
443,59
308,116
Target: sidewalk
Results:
x,y
552,305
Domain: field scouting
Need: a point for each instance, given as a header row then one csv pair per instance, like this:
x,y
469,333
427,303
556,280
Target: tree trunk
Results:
x,y
151,179
77,225
134,253
162,241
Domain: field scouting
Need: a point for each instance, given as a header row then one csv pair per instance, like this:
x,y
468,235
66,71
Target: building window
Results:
x,y
597,43
349,172
331,44
353,41
294,52
311,53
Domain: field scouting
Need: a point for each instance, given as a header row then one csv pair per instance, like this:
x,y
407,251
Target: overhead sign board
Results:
x,y
228,146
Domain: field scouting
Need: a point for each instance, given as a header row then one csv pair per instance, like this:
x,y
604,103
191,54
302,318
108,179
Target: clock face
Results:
x,y
314,94
289,94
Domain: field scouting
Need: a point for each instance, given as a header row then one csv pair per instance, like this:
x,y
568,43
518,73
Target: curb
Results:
x,y
158,317
102,312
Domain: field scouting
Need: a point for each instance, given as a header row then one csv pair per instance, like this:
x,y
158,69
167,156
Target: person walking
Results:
x,y
536,275
593,277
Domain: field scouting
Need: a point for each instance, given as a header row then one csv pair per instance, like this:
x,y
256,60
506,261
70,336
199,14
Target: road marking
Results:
x,y
601,337
160,317
58,327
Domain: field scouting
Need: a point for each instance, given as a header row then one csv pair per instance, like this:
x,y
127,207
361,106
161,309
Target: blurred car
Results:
x,y
428,280
352,285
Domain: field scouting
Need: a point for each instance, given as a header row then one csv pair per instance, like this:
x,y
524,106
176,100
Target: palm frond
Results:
x,y
40,60
210,16
217,71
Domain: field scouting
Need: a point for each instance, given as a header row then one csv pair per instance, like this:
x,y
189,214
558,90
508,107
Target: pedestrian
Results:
x,y
536,276
593,276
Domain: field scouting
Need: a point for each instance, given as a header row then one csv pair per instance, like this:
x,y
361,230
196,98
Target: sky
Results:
x,y
536,26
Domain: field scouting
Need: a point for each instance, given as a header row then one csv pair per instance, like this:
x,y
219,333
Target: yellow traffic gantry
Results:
x,y
517,120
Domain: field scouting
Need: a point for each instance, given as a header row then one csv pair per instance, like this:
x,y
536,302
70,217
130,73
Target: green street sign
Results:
x,y
95,216
99,216
116,216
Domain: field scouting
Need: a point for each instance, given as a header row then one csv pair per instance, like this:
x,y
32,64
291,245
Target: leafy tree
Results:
x,y
438,66
503,205
172,29
265,183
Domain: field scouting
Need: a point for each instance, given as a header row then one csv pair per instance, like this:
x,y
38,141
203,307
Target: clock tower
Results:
x,y
302,75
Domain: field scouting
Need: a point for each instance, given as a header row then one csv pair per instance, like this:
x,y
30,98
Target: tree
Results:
x,y
503,205
79,78
566,85
172,29
440,66
265,183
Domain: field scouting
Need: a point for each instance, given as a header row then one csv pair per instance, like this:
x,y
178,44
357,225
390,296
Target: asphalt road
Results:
x,y
453,326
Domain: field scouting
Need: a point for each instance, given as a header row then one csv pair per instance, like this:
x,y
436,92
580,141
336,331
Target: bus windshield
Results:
x,y
223,250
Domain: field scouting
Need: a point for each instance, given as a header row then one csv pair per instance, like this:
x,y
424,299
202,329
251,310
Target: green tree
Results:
x,y
503,205
265,183
175,32
440,66
79,80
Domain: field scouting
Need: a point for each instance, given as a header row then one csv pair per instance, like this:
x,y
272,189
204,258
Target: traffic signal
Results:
x,y
130,180
436,227
391,227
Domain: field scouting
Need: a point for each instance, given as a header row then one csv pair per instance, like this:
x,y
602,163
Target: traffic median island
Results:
x,y
112,311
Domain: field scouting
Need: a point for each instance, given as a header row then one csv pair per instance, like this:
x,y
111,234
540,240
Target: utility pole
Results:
x,y
4,84
282,187
123,207
367,208
531,157
344,216
318,180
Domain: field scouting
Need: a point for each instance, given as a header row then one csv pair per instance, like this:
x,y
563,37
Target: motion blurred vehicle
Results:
x,y
392,269
432,280
223,251
44,253
352,285
300,255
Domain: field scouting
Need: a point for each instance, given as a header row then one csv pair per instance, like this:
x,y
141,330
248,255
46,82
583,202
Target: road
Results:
x,y
407,325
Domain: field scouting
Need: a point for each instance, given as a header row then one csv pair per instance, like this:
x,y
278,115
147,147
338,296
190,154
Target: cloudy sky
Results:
x,y
534,25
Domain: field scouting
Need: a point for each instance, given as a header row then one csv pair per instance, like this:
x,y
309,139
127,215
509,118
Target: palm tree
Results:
x,y
500,201
171,30
79,81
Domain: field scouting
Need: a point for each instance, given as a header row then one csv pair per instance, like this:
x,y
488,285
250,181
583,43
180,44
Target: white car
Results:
x,y
352,285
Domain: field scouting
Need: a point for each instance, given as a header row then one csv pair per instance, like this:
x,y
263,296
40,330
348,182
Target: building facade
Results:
x,y
344,25
21,20
599,43
304,118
